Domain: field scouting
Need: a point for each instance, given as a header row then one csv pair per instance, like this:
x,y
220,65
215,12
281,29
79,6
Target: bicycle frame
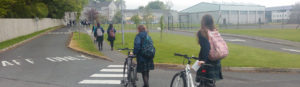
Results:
x,y
189,78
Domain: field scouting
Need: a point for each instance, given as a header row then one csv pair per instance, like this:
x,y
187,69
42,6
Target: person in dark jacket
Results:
x,y
99,38
111,32
144,65
215,71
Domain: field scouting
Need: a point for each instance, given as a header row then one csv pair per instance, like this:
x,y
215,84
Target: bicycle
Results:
x,y
184,78
129,70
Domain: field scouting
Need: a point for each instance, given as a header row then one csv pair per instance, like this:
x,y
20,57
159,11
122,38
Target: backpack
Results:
x,y
112,33
218,47
99,32
147,50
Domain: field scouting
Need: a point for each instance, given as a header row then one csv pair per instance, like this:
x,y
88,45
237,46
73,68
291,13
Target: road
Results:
x,y
47,62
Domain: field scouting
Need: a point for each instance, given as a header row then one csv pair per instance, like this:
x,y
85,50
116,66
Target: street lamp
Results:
x,y
122,25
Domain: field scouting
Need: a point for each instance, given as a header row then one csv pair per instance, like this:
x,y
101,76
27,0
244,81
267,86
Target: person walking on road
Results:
x,y
214,72
111,32
99,33
145,51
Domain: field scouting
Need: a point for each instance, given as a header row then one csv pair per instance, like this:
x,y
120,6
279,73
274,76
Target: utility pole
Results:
x,y
122,27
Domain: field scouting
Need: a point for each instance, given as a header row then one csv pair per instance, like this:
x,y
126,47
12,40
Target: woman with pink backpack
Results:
x,y
213,49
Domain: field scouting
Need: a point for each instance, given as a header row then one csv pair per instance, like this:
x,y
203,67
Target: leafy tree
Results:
x,y
136,19
117,18
92,14
40,10
5,7
156,5
162,25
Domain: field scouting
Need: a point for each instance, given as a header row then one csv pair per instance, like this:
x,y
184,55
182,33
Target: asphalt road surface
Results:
x,y
47,62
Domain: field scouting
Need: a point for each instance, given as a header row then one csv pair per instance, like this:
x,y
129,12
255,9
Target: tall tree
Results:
x,y
136,19
92,15
156,5
117,18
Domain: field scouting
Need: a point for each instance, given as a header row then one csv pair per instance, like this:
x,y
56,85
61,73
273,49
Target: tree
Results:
x,y
295,15
162,26
117,18
5,7
102,19
92,15
148,17
156,5
40,10
136,19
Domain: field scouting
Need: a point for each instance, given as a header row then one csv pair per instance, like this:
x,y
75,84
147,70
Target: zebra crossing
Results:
x,y
112,74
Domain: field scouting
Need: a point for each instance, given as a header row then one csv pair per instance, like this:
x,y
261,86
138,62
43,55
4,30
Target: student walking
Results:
x,y
145,51
207,36
99,33
93,32
111,32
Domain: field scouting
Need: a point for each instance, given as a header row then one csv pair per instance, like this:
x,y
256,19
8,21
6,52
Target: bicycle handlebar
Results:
x,y
185,56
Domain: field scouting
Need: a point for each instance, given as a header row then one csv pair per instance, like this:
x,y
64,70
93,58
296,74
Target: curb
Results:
x,y
85,53
28,40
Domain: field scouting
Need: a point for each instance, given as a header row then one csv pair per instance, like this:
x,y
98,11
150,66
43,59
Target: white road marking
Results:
x,y
84,57
236,40
100,82
107,75
60,59
6,63
293,50
50,59
30,61
72,58
111,70
121,66
16,62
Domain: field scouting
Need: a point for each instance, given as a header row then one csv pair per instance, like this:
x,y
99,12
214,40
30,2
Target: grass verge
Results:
x,y
240,56
13,41
85,44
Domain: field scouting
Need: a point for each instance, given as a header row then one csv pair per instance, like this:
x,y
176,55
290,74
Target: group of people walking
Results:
x,y
98,33
144,64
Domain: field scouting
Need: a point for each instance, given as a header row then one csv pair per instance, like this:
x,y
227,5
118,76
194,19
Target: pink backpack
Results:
x,y
218,47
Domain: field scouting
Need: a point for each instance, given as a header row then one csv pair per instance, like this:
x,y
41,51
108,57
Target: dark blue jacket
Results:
x,y
214,72
143,64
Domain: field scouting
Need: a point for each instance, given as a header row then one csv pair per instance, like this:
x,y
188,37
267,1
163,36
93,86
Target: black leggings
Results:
x,y
145,75
100,44
112,44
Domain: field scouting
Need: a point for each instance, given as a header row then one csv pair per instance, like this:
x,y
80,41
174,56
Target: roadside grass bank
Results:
x,y
85,44
16,40
239,56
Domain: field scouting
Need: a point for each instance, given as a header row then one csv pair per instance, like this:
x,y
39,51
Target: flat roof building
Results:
x,y
224,13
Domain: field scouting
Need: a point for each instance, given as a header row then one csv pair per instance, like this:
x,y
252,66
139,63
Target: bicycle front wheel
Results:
x,y
179,80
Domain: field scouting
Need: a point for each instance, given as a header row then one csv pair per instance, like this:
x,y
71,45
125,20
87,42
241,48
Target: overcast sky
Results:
x,y
182,4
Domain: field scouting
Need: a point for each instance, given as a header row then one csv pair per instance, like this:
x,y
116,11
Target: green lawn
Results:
x,y
13,41
240,56
85,43
286,34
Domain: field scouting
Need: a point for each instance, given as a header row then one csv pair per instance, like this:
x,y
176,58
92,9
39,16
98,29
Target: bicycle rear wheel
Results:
x,y
125,81
179,80
130,74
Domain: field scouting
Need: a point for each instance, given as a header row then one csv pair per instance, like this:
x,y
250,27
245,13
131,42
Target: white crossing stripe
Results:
x,y
100,82
111,70
293,50
121,66
107,75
